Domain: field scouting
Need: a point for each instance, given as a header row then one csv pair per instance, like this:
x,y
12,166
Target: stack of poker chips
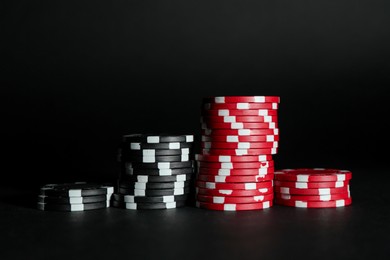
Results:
x,y
235,168
312,188
156,171
78,196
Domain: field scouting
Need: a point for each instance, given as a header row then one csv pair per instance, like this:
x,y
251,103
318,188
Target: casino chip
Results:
x,y
156,171
312,188
235,168
78,196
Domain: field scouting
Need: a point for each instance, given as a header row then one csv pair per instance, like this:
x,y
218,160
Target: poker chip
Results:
x,y
233,179
156,199
234,200
160,165
157,138
140,206
238,119
314,204
237,112
153,159
235,186
77,189
157,178
240,105
156,172
73,207
239,125
313,175
233,193
154,185
339,196
73,200
240,145
234,207
312,185
230,158
236,165
240,139
155,152
239,152
236,172
240,99
239,132
320,191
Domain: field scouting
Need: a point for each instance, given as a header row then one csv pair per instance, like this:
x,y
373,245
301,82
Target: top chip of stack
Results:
x,y
313,188
235,168
156,171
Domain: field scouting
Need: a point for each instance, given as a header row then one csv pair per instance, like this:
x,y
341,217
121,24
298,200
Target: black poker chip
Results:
x,y
154,159
156,178
73,200
154,185
157,199
151,193
154,152
135,206
158,138
157,172
77,189
162,146
159,165
73,207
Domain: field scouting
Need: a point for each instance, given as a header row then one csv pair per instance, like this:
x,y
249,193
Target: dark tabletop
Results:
x,y
360,231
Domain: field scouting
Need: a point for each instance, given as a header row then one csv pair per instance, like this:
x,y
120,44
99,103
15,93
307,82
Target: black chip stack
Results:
x,y
156,171
78,196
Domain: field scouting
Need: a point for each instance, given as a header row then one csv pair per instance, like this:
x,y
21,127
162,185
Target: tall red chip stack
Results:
x,y
235,167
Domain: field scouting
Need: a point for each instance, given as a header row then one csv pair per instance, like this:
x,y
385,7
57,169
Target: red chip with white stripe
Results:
x,y
240,139
236,112
313,175
237,99
240,145
230,179
328,197
239,200
312,185
239,125
239,152
240,106
234,186
237,119
240,132
233,193
236,165
232,158
234,207
320,191
235,172
314,204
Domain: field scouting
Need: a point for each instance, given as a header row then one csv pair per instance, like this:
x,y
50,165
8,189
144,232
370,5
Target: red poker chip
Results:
x,y
239,152
329,197
235,200
234,207
313,175
239,125
238,119
320,191
234,179
240,132
235,172
234,165
312,185
232,158
240,106
234,193
237,99
239,139
314,204
234,186
236,112
241,145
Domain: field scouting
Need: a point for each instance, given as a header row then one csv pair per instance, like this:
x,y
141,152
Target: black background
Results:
x,y
76,75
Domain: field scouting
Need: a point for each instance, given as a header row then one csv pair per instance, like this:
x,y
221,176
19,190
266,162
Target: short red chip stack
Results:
x,y
235,168
312,188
